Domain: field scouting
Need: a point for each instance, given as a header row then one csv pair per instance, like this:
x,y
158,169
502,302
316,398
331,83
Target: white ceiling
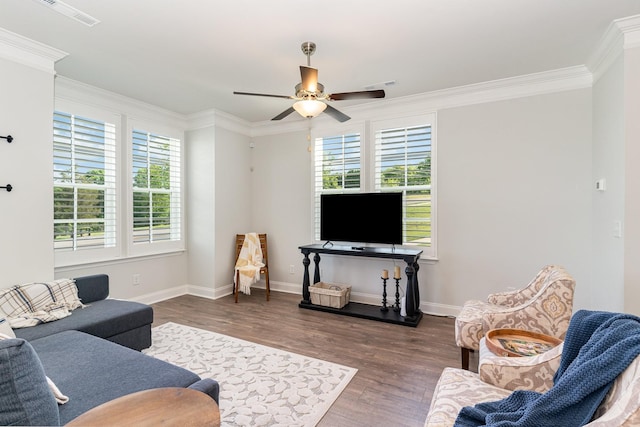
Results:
x,y
190,55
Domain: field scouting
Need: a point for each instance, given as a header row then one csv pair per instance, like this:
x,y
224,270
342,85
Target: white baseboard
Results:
x,y
291,288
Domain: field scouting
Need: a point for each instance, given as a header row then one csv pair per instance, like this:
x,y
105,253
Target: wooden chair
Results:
x,y
265,259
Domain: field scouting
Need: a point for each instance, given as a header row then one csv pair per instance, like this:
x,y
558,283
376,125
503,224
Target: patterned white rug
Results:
x,y
259,385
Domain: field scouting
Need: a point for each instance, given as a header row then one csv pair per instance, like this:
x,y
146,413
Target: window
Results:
x,y
403,162
156,187
337,168
116,184
399,156
84,176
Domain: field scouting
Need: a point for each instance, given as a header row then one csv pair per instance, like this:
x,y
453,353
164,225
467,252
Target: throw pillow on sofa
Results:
x,y
25,397
33,303
57,394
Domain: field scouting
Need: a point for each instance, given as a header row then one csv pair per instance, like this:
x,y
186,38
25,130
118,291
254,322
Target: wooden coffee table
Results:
x,y
171,406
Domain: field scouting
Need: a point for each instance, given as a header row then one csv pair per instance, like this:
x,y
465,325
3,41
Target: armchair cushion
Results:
x,y
519,373
455,389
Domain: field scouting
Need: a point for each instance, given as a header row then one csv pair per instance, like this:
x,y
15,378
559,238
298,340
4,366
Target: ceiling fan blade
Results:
x,y
365,94
309,78
284,114
264,94
338,115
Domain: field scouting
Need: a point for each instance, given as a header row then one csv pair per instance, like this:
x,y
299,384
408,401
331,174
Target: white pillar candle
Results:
x,y
396,272
385,274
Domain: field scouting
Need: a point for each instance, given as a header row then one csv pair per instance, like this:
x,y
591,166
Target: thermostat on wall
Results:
x,y
600,184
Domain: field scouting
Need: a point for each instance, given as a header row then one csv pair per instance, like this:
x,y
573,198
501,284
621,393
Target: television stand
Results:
x,y
367,311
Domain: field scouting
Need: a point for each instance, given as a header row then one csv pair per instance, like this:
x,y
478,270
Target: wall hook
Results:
x,y
9,138
8,187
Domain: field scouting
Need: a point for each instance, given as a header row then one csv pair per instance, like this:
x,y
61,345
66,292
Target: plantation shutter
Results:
x,y
156,187
403,163
84,176
337,168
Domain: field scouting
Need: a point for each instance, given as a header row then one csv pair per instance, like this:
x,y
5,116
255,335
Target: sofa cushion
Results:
x,y
105,318
92,288
92,371
25,397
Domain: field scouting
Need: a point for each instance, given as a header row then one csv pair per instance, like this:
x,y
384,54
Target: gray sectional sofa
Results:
x,y
92,356
127,323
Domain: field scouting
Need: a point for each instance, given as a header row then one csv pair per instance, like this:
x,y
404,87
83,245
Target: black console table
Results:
x,y
367,311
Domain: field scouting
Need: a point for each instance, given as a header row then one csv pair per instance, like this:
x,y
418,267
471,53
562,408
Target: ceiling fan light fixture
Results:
x,y
309,107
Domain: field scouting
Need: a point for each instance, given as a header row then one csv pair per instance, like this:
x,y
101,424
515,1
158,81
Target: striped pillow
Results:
x,y
33,303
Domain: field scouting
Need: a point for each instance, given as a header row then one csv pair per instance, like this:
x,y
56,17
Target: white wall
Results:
x,y
608,206
514,194
632,182
161,277
200,199
26,230
281,181
220,205
234,202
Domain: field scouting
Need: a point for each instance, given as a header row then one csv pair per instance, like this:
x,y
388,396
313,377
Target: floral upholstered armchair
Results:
x,y
544,306
498,377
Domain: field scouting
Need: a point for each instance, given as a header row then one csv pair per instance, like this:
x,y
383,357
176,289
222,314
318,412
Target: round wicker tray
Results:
x,y
518,342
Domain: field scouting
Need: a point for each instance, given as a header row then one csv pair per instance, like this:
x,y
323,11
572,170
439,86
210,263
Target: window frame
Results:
x,y
367,130
66,257
125,120
428,252
162,246
329,132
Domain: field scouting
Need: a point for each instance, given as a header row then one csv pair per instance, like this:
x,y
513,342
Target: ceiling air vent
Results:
x,y
70,12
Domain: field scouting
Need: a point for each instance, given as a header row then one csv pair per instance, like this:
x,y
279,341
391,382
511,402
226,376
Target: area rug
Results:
x,y
259,385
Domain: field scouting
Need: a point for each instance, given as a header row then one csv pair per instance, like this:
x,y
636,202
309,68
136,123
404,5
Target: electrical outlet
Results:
x,y
135,279
292,269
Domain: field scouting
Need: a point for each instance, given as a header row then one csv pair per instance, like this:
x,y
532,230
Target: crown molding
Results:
x,y
75,91
621,34
570,78
630,27
212,117
22,50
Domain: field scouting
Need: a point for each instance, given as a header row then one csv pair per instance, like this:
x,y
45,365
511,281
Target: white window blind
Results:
x,y
84,175
337,168
403,162
156,187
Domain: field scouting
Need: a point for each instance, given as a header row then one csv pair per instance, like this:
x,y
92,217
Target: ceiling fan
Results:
x,y
310,93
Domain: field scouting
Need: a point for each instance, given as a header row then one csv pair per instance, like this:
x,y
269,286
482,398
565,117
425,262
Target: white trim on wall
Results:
x,y
622,34
564,79
72,90
22,50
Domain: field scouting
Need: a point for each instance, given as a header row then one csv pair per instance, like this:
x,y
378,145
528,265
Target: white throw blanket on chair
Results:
x,y
249,263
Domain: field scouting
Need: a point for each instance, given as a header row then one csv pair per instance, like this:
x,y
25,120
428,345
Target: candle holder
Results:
x,y
396,305
384,294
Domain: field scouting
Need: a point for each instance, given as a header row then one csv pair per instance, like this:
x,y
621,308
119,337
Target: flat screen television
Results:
x,y
361,217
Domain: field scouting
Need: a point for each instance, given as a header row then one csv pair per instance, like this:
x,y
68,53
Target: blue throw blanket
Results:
x,y
598,347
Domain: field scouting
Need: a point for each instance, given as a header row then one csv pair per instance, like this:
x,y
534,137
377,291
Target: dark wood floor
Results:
x,y
398,366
